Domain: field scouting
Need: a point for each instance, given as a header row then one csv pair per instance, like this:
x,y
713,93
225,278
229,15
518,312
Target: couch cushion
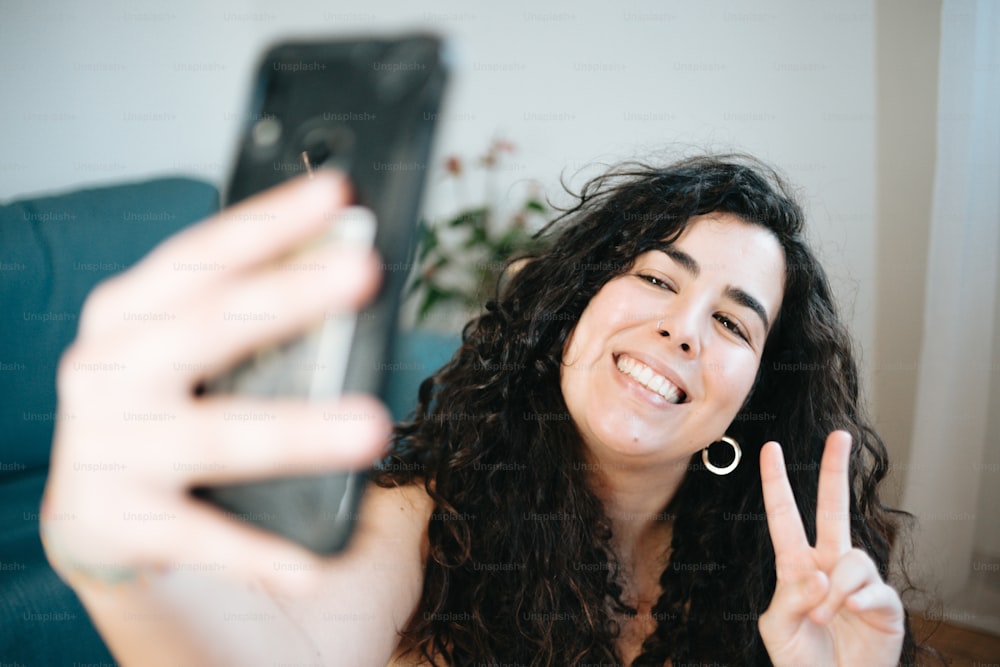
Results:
x,y
53,250
416,355
41,620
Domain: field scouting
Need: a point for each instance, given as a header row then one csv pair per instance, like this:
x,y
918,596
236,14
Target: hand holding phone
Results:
x,y
368,108
131,442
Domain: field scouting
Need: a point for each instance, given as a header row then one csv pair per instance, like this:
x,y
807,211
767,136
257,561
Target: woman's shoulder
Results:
x,y
407,503
397,513
397,518
367,594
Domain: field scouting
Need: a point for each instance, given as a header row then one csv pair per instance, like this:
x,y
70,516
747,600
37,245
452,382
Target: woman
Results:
x,y
562,501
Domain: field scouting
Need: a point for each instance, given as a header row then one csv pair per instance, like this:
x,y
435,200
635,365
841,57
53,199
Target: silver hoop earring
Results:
x,y
737,455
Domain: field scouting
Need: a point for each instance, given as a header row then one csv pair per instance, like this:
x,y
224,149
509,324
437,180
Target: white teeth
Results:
x,y
650,379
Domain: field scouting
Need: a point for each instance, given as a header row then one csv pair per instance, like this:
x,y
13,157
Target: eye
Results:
x,y
732,325
657,282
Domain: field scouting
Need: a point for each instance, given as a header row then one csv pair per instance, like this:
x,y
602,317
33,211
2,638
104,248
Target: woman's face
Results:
x,y
650,397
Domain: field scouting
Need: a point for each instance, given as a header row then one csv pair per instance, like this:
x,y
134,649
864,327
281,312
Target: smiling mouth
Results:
x,y
650,379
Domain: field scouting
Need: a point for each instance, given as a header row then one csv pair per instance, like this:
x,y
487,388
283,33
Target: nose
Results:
x,y
680,329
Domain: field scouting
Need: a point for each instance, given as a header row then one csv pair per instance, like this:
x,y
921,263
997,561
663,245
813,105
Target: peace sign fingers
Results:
x,y
830,605
833,521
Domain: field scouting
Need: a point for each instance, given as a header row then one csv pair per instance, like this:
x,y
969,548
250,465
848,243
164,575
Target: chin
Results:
x,y
633,437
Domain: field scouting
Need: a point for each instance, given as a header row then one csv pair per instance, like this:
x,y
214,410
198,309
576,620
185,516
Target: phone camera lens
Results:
x,y
331,146
266,132
318,151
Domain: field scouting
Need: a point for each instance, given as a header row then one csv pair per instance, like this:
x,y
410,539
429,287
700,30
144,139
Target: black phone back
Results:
x,y
367,107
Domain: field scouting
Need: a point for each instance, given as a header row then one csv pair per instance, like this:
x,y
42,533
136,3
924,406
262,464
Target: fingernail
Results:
x,y
354,225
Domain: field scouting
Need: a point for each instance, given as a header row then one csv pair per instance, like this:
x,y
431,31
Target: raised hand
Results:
x,y
830,606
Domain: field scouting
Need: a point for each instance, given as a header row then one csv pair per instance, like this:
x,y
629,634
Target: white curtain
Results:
x,y
953,479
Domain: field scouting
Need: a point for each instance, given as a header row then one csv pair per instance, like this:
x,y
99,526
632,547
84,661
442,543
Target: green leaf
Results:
x,y
473,217
478,237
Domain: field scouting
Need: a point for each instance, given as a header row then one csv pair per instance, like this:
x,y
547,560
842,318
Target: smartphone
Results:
x,y
368,108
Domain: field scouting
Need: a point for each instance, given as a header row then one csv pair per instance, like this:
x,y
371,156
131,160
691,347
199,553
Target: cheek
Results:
x,y
733,375
609,311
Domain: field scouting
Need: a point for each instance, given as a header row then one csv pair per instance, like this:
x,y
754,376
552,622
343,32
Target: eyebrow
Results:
x,y
743,298
685,260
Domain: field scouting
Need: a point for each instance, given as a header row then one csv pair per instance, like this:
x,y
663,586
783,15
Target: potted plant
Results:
x,y
461,256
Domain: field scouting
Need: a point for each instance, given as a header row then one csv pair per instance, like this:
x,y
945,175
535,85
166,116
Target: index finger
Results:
x,y
833,523
261,228
783,520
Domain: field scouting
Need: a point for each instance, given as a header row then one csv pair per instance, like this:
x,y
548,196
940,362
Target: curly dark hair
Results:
x,y
520,568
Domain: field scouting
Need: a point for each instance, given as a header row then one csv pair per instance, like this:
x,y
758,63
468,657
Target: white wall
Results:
x,y
988,471
121,90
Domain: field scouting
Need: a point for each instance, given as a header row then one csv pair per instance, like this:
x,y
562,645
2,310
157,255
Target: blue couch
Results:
x,y
53,250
